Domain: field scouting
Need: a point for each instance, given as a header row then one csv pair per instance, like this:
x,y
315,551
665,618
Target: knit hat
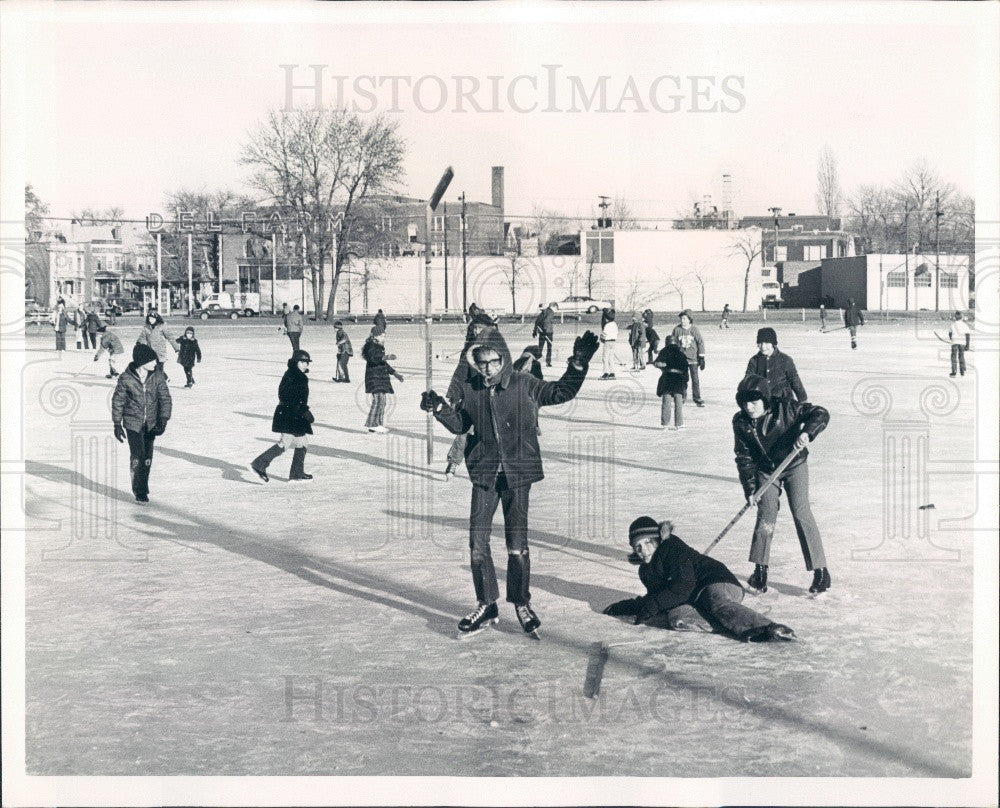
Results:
x,y
686,313
958,315
643,527
302,356
767,335
142,353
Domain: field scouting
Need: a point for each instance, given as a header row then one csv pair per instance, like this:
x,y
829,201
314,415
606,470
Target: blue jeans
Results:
x,y
957,359
515,524
717,606
796,485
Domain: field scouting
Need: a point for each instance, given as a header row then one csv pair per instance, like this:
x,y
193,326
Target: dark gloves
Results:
x,y
585,347
307,416
430,401
647,607
701,363
391,358
119,433
159,429
624,608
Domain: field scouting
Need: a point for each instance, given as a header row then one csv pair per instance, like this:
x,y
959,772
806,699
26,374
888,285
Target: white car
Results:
x,y
576,304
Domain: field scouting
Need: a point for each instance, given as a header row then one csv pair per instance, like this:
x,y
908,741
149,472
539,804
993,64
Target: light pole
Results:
x,y
776,212
906,257
937,250
602,222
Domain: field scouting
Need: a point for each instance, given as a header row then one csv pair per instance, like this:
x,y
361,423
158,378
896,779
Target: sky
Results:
x,y
123,107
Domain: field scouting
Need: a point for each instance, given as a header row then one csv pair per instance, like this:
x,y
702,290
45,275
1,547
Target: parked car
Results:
x,y
115,306
770,295
577,304
233,306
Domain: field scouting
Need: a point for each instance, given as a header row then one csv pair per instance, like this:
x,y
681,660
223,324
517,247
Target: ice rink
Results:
x,y
234,627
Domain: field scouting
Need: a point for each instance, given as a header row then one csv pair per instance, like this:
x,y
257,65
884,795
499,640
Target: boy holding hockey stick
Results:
x,y
688,591
503,458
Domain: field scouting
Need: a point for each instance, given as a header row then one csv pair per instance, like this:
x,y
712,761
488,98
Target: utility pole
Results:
x,y
444,215
465,252
602,222
937,250
906,259
776,212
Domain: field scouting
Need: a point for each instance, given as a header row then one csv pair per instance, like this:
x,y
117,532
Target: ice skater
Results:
x,y
637,342
140,410
822,317
109,342
292,420
155,335
724,322
609,337
293,325
503,460
652,338
344,353
377,378
188,352
775,366
60,322
689,591
672,384
766,431
852,319
961,341
689,340
91,327
544,329
463,373
380,322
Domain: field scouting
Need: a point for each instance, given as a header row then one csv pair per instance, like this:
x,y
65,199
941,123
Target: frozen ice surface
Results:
x,y
232,627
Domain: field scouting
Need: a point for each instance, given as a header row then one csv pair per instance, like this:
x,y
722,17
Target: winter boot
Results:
x,y
777,631
262,461
527,618
821,581
484,613
758,580
298,462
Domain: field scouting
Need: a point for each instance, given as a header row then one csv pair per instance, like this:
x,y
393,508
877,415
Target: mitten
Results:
x,y
584,348
159,429
646,608
701,363
430,401
119,433
623,608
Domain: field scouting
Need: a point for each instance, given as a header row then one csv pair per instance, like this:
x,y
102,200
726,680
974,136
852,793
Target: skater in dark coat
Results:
x,y
637,342
672,384
292,419
378,383
188,354
652,338
109,342
503,459
545,331
852,319
380,322
344,353
766,431
689,591
140,409
92,327
775,366
60,321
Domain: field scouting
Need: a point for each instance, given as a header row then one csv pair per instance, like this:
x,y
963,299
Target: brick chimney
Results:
x,y
498,202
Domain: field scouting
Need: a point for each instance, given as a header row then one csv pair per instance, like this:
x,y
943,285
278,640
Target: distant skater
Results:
x,y
724,323
188,354
377,378
609,338
775,366
294,324
344,353
672,384
961,339
689,340
292,420
852,319
109,342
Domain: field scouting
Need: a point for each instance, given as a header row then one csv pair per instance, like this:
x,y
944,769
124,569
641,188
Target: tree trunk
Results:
x,y
331,305
321,263
746,286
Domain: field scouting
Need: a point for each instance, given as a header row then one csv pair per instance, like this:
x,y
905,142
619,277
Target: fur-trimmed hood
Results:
x,y
491,338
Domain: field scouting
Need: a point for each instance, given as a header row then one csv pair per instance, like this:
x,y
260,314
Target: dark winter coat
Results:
x,y
292,415
853,315
344,343
636,334
690,342
110,343
677,574
761,444
93,322
545,322
647,318
60,319
503,418
189,351
136,404
674,366
380,322
378,372
780,372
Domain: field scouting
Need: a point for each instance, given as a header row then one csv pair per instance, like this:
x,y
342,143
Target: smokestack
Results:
x,y
727,200
498,200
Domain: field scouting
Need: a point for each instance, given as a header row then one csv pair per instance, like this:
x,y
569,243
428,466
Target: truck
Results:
x,y
229,304
770,295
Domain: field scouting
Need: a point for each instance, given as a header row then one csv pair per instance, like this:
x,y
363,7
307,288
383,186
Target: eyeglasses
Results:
x,y
490,363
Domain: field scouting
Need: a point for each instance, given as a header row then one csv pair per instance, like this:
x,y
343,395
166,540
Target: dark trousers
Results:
x,y
545,344
957,359
89,339
140,449
695,381
342,360
189,373
654,348
717,606
796,484
293,337
60,340
515,524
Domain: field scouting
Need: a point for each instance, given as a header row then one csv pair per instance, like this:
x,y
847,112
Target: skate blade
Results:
x,y
534,635
465,635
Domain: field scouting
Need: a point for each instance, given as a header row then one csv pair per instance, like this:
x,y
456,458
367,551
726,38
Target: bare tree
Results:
x,y
34,214
747,245
514,271
676,283
829,196
572,275
919,190
319,165
590,271
622,215
97,216
701,275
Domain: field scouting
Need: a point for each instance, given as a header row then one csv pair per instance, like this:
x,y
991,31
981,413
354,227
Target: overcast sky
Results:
x,y
123,108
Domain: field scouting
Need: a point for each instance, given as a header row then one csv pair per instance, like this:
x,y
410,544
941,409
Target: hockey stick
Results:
x,y
755,498
831,330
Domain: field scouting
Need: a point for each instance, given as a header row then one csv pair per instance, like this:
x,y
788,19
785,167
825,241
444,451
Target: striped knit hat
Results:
x,y
643,527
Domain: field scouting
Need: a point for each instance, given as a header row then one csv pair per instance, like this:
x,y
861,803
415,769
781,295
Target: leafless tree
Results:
x,y
919,190
676,283
700,275
747,245
829,196
34,214
97,216
514,272
319,165
622,215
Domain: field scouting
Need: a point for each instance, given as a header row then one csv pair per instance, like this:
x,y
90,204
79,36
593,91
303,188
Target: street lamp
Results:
x,y
776,212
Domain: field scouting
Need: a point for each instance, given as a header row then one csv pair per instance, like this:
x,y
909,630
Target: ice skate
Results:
x,y
528,619
777,631
484,616
821,581
378,430
758,581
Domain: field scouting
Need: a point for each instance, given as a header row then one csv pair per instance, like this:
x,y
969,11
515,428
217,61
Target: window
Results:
x,y
765,273
437,224
924,279
781,254
601,247
896,279
814,252
949,280
387,223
